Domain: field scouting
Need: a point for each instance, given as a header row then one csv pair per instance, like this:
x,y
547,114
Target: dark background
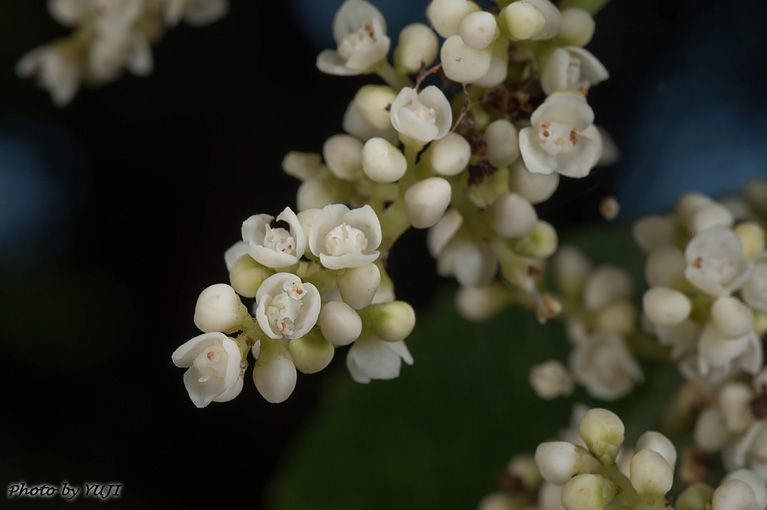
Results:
x,y
116,210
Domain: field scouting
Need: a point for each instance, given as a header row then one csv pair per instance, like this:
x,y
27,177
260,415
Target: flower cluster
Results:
x,y
109,36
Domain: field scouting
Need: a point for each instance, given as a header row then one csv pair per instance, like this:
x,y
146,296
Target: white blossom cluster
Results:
x,y
109,36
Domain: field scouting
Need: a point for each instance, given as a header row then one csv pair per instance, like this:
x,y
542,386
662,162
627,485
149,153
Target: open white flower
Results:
x,y
274,247
359,30
214,373
56,70
286,307
605,366
728,355
556,141
371,358
714,262
571,68
423,116
344,238
749,450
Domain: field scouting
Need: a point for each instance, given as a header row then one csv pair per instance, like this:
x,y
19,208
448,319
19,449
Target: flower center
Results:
x,y
279,239
352,42
345,239
556,137
573,74
723,271
422,111
211,363
284,307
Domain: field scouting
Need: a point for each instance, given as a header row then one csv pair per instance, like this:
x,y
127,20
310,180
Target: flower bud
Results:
x,y
373,102
588,492
523,20
358,285
274,372
550,380
512,216
446,15
734,495
339,323
462,63
666,307
311,353
753,481
536,188
443,231
707,216
246,276
689,203
577,27
570,267
502,143
383,162
695,497
734,399
605,285
317,193
478,29
653,232
480,303
219,309
618,317
391,322
731,317
523,467
426,201
343,155
417,48
559,461
710,432
752,236
449,155
665,267
603,433
303,165
657,442
650,473
539,243
499,70
356,125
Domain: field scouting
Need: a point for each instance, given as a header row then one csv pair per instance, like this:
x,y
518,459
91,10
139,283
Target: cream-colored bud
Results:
x,y
446,15
657,442
512,216
498,71
343,155
462,63
303,165
534,187
710,432
478,29
665,267
755,192
552,20
540,243
311,353
570,268
731,317
358,285
480,303
577,27
707,216
317,193
417,48
246,276
734,495
588,492
734,405
666,307
426,201
502,143
339,323
653,232
443,231
392,321
603,432
695,497
752,236
523,467
219,309
449,155
550,380
559,461
753,481
382,161
523,21
690,202
273,372
618,317
373,102
650,473
605,285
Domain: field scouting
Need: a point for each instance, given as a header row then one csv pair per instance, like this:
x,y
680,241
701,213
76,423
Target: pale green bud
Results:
x,y
373,102
219,309
392,321
588,492
577,27
343,155
752,236
382,162
666,307
603,432
311,353
539,243
731,317
650,473
559,461
358,285
523,467
274,372
523,21
417,48
246,276
339,323
695,497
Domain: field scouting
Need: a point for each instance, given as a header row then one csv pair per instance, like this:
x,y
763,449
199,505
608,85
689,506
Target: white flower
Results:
x,y
195,12
214,373
344,238
605,366
423,116
555,142
550,380
56,70
286,307
69,12
274,247
749,450
359,30
714,262
571,68
110,52
754,292
720,354
371,358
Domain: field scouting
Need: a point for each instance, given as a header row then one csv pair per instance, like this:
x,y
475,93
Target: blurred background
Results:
x,y
115,212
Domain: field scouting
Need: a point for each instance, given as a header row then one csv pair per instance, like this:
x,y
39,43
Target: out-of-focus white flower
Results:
x,y
56,70
714,262
550,380
274,247
749,450
423,116
754,292
195,12
555,142
462,63
604,366
344,238
719,354
446,15
69,12
571,68
110,53
417,48
287,307
214,373
473,264
359,30
371,358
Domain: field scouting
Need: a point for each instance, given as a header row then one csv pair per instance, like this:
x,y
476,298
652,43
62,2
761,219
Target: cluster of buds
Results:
x,y
109,36
599,318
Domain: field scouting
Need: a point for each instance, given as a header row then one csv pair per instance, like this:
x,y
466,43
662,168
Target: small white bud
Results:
x,y
343,155
523,467
499,65
752,236
653,232
417,48
690,202
570,268
731,317
665,267
246,276
605,285
303,165
534,187
603,432
695,497
734,495
478,29
462,63
523,20
707,216
650,473
577,27
426,201
446,15
559,461
358,285
317,193
219,309
502,143
540,243
666,307
480,303
382,161
373,102
753,481
618,317
588,492
311,353
392,321
274,372
443,231
710,431
550,380
356,125
339,323
512,216
657,442
734,399
449,155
